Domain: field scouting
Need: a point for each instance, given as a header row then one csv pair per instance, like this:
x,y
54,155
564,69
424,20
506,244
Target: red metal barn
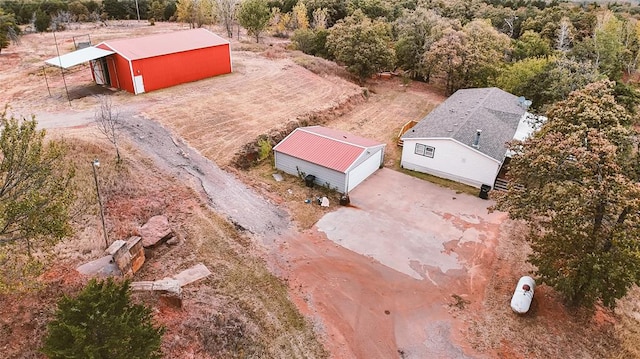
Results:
x,y
154,62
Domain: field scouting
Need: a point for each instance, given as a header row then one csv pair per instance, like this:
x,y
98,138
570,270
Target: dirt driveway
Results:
x,y
386,275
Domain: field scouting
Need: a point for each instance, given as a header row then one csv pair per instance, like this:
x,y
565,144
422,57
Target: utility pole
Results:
x,y
95,164
137,10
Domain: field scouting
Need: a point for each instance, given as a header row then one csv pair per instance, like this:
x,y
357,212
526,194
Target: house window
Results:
x,y
424,150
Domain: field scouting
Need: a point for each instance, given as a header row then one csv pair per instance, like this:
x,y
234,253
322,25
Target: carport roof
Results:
x,y
326,147
77,57
164,44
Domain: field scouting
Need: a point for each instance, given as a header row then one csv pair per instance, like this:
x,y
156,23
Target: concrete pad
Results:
x,y
192,274
410,225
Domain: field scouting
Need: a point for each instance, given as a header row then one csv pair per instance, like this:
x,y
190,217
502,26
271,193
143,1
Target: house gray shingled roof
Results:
x,y
492,110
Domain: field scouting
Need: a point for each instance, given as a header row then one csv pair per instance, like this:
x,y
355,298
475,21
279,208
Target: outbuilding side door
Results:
x,y
138,84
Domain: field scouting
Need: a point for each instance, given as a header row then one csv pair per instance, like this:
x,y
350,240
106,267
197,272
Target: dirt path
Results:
x,y
225,193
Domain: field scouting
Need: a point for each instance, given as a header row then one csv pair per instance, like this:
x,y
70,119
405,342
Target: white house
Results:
x,y
336,159
464,139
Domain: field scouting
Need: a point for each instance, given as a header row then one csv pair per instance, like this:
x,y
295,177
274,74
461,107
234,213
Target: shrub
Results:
x,y
101,323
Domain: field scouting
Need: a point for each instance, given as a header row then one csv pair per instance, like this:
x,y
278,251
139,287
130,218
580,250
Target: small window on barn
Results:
x,y
424,150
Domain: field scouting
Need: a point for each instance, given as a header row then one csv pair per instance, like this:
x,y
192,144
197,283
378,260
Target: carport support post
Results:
x,y
44,72
61,69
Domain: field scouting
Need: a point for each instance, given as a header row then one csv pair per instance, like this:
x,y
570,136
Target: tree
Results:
x,y
335,9
319,19
8,30
156,10
42,21
254,16
608,46
558,79
631,43
486,53
226,10
517,77
564,35
79,11
102,323
472,57
195,12
109,123
417,30
362,44
373,9
578,191
312,42
447,58
530,44
36,187
299,19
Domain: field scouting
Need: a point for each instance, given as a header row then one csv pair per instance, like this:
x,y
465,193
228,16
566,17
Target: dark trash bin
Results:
x,y
309,180
484,191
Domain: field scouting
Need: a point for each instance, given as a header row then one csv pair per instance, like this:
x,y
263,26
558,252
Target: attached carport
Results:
x,y
78,57
95,56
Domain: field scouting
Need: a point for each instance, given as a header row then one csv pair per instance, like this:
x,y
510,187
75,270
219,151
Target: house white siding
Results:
x,y
364,169
324,176
451,160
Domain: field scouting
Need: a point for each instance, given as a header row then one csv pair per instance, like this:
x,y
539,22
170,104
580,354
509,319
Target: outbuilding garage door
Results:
x,y
364,170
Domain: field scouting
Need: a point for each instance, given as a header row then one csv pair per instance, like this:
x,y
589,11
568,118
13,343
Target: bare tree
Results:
x,y
109,123
564,35
227,14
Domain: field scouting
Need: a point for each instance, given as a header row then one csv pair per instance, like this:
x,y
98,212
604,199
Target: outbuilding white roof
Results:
x,y
77,57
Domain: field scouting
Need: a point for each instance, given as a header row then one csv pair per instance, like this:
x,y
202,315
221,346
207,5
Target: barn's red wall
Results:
x,y
173,69
169,70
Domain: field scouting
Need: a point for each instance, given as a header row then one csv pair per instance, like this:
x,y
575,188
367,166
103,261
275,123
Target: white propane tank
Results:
x,y
523,295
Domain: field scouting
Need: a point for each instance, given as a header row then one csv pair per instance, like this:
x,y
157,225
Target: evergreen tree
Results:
x,y
101,323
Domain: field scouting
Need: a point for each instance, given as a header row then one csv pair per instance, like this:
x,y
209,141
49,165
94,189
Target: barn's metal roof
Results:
x,y
493,111
326,147
77,57
164,44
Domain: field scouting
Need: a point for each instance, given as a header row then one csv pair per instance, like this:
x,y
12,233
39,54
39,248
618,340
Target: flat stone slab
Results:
x,y
163,285
102,266
192,274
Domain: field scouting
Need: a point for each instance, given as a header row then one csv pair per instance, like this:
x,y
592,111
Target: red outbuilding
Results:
x,y
153,62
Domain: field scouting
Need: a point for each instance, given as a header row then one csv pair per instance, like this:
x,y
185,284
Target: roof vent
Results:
x,y
476,142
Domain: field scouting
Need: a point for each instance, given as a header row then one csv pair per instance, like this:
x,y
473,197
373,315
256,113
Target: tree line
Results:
x,y
537,49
